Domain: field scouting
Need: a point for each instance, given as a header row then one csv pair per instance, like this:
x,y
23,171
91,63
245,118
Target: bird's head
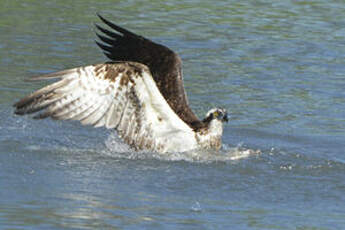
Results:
x,y
217,113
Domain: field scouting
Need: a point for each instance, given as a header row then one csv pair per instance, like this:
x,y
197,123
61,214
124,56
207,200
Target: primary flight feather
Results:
x,y
139,93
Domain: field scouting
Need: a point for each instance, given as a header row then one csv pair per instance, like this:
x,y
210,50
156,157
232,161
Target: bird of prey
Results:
x,y
139,93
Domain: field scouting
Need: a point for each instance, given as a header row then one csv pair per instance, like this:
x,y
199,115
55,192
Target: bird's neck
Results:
x,y
216,128
211,138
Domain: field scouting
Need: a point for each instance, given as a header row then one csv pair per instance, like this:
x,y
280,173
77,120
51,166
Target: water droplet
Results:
x,y
196,207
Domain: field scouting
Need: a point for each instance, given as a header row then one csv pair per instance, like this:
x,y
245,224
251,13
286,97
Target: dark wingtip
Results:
x,y
104,47
105,39
116,27
20,108
100,16
108,32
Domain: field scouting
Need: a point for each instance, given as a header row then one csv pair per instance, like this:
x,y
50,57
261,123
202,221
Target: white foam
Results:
x,y
115,147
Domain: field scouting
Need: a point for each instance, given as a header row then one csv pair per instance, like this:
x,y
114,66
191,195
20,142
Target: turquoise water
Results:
x,y
278,67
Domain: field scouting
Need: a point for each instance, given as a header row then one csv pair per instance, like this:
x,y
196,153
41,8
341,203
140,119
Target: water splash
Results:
x,y
47,135
115,147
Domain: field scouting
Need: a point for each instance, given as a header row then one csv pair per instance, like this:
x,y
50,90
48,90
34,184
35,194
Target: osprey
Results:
x,y
139,93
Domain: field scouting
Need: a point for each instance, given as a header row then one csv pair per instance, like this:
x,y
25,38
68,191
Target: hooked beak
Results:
x,y
226,118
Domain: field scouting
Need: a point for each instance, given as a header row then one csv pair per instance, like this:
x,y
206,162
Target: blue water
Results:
x,y
278,67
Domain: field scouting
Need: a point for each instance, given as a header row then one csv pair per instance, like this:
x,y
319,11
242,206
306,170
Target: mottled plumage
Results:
x,y
139,93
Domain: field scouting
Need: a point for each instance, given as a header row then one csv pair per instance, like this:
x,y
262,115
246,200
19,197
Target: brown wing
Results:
x,y
165,65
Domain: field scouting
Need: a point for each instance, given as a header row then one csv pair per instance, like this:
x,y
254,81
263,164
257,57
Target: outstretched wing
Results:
x,y
115,95
165,65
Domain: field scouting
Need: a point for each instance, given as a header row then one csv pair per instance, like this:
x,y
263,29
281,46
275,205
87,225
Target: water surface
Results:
x,y
278,67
